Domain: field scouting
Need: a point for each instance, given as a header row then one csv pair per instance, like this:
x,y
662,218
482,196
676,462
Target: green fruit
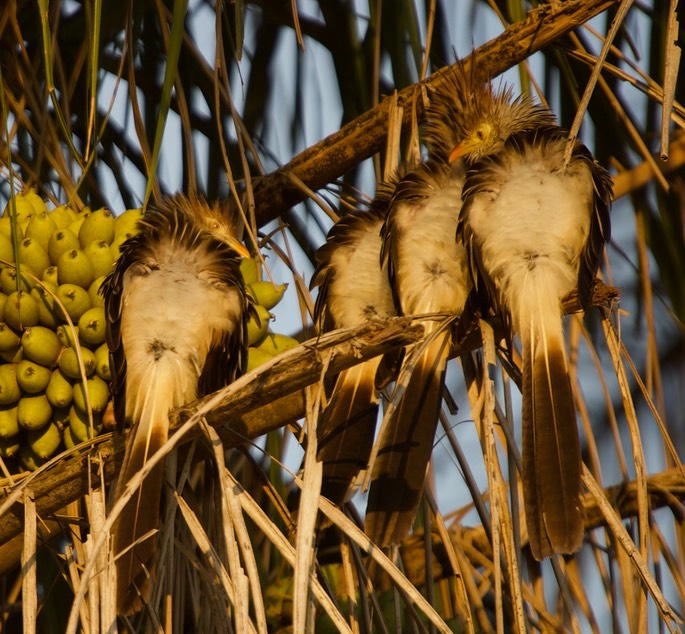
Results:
x,y
68,436
69,364
96,297
63,216
29,459
108,421
22,206
98,394
12,356
34,411
45,441
3,299
50,275
60,391
41,227
6,249
41,345
60,242
100,256
9,446
99,225
9,388
266,293
80,426
75,227
9,340
74,299
116,245
126,224
21,310
102,363
67,335
10,282
249,267
45,298
32,377
74,267
9,423
33,256
36,201
6,226
256,357
258,324
274,344
92,326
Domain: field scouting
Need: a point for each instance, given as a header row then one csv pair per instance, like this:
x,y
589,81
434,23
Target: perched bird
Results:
x,y
176,309
353,289
428,273
535,229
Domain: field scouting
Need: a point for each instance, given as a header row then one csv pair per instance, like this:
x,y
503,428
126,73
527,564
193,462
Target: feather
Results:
x,y
535,228
346,429
551,447
353,288
176,310
428,273
406,446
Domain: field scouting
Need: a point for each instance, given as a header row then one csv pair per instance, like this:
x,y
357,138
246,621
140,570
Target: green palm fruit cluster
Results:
x,y
263,343
54,361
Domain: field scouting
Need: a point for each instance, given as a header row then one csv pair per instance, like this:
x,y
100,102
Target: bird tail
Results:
x,y
551,447
346,429
405,447
135,544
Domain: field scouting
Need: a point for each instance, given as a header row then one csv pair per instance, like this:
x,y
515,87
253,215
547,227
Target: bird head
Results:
x,y
215,223
482,140
217,218
490,118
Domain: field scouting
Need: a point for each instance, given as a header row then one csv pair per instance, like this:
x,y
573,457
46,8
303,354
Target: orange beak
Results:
x,y
457,152
238,247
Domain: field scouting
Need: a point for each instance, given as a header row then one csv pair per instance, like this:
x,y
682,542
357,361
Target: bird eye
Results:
x,y
480,134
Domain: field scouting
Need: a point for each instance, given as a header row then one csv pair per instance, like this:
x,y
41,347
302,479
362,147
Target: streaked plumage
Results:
x,y
535,230
176,310
353,288
428,273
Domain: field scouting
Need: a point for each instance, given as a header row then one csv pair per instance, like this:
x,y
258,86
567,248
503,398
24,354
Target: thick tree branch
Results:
x,y
338,153
257,403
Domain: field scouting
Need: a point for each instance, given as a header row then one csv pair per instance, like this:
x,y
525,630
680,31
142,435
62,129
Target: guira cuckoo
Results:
x,y
535,228
353,289
176,309
428,274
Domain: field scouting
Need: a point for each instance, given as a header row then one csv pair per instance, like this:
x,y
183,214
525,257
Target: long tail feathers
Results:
x,y
551,448
135,541
399,471
346,429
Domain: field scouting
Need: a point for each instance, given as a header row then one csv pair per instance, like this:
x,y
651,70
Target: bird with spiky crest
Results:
x,y
535,228
428,274
177,313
